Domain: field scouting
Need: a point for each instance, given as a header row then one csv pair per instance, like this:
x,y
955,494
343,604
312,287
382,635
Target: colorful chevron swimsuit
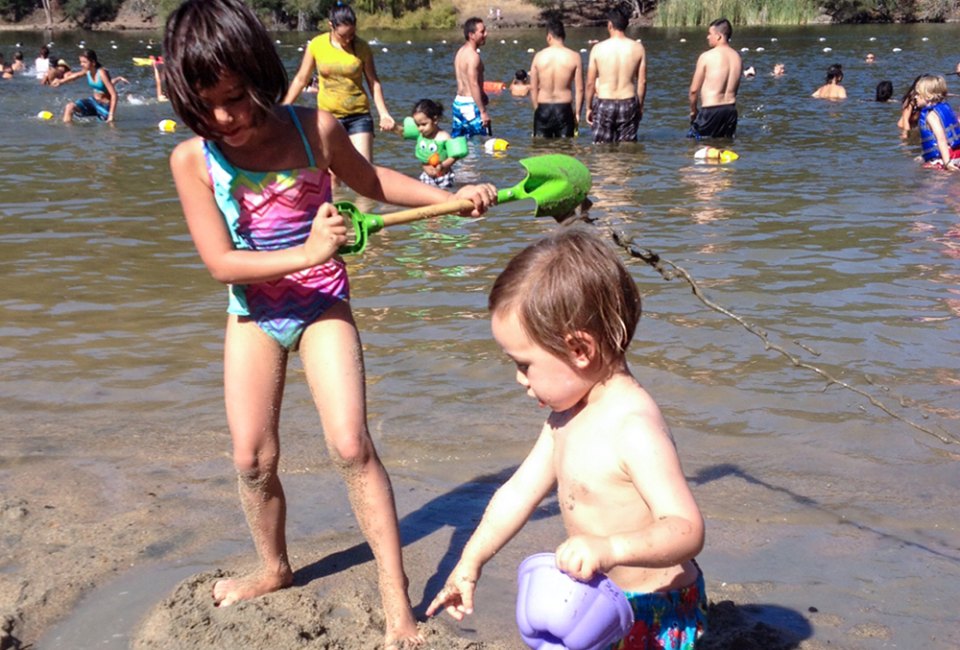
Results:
x,y
271,211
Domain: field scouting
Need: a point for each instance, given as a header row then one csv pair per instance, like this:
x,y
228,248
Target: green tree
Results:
x,y
16,9
87,13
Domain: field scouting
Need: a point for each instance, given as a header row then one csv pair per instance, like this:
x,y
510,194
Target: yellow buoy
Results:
x,y
712,153
44,115
167,126
495,145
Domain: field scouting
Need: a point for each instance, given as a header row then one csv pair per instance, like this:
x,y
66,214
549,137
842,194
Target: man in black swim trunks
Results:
x,y
715,83
556,86
616,83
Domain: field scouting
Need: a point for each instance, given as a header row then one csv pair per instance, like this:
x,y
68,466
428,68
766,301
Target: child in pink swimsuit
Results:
x,y
255,192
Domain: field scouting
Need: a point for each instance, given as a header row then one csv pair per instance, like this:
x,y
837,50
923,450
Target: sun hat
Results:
x,y
554,611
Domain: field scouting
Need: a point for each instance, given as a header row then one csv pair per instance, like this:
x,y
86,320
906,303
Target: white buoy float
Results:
x,y
167,126
44,115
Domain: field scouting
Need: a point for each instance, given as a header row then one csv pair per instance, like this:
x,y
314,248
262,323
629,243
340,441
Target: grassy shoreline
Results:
x,y
447,14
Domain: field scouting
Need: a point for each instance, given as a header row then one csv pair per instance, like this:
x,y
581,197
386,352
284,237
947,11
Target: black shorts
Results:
x,y
554,121
616,120
714,122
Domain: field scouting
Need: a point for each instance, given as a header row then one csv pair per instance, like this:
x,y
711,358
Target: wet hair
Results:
x,y
571,282
45,52
932,88
91,56
723,26
522,76
618,19
205,39
18,56
430,108
910,96
342,14
555,28
884,91
835,71
470,27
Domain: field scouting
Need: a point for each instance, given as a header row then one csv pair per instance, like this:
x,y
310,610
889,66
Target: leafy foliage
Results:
x,y
87,13
413,14
440,14
872,11
16,9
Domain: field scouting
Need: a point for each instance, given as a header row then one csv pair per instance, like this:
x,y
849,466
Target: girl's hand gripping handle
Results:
x,y
327,235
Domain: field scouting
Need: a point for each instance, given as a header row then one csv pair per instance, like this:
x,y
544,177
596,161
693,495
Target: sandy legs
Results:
x,y
333,361
254,371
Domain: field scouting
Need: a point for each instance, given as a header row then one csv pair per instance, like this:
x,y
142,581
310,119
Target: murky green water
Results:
x,y
825,231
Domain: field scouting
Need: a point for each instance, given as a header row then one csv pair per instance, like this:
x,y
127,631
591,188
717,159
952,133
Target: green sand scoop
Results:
x,y
557,183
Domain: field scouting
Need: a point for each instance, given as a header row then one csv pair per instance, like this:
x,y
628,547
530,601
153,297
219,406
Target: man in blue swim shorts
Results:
x,y
715,83
616,83
470,105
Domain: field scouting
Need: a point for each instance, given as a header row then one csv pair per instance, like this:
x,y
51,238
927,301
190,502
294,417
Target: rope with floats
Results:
x,y
669,271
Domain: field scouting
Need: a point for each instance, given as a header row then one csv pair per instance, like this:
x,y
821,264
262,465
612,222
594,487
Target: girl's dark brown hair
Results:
x,y
204,39
571,282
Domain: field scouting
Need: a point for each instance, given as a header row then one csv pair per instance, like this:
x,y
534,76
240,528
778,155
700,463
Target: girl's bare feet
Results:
x,y
227,592
401,625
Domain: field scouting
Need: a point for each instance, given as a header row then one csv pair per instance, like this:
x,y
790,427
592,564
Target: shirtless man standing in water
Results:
x,y
715,83
556,86
470,105
617,78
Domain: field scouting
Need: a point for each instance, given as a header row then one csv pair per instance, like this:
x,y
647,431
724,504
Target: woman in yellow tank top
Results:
x,y
342,61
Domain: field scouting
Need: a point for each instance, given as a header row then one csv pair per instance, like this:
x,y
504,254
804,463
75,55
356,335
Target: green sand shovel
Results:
x,y
556,182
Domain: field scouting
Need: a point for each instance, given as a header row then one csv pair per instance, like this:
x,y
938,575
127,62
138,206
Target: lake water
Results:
x,y
825,233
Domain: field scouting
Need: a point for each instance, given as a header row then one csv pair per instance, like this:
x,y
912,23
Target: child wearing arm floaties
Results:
x,y
939,129
435,149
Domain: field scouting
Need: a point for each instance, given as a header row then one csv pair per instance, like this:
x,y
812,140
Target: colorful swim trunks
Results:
x,y
466,118
670,620
714,122
616,120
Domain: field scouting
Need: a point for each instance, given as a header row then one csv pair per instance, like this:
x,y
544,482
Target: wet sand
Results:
x,y
123,547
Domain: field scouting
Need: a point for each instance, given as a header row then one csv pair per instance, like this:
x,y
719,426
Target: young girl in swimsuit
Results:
x,y
103,103
432,145
255,192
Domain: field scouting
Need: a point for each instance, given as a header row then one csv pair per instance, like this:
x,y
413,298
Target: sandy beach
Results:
x,y
119,520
